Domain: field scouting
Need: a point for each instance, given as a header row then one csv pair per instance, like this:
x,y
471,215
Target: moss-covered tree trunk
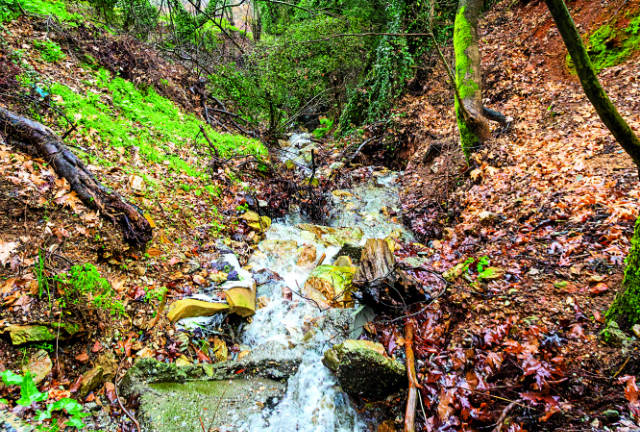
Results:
x,y
625,309
473,126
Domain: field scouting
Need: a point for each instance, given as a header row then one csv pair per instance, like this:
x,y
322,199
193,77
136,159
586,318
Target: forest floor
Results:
x,y
551,202
549,205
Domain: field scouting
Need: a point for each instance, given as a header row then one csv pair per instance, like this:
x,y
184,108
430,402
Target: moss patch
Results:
x,y
609,46
625,309
124,116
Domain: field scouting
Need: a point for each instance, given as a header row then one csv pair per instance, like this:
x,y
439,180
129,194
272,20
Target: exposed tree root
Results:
x,y
38,140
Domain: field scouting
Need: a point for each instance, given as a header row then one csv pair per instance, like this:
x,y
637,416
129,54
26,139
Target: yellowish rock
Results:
x,y
330,286
242,299
307,255
343,261
189,308
220,349
183,361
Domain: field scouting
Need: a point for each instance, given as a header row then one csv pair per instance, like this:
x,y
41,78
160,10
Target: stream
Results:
x,y
293,326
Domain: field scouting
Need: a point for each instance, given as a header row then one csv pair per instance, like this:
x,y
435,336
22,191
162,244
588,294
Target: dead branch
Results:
x,y
410,412
40,141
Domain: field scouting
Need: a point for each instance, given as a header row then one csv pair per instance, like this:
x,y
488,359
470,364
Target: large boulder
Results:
x,y
330,286
364,370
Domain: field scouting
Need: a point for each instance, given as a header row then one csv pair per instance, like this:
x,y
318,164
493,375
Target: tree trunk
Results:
x,y
472,125
625,309
592,88
40,141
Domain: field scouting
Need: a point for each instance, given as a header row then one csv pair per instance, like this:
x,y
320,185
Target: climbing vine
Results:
x,y
393,64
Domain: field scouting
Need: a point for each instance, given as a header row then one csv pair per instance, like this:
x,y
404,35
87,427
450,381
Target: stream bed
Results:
x,y
288,328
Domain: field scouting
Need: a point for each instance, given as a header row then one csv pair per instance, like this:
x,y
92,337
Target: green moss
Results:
x,y
11,9
124,116
49,50
609,46
625,309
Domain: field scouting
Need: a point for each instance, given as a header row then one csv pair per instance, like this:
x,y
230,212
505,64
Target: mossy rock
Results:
x,y
330,285
22,334
174,398
364,370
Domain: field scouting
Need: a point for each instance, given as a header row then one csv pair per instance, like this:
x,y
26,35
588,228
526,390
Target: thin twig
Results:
x,y
122,407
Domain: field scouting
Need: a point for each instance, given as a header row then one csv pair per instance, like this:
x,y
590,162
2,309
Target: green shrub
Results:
x,y
84,284
49,50
143,118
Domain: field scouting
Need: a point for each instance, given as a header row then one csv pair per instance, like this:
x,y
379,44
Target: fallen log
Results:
x,y
40,141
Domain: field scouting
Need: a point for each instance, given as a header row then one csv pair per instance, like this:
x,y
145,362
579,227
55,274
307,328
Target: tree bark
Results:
x,y
625,309
590,83
38,140
472,125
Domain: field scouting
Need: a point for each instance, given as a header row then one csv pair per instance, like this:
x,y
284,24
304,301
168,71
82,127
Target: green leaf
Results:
x,y
76,422
29,392
491,273
11,378
482,263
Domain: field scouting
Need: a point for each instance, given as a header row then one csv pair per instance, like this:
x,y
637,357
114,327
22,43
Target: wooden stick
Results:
x,y
410,413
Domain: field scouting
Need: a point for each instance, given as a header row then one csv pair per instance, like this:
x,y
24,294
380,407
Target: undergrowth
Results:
x,y
12,9
124,116
83,284
32,398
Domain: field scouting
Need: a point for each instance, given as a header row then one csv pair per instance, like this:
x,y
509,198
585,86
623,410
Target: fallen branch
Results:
x,y
40,141
122,407
410,412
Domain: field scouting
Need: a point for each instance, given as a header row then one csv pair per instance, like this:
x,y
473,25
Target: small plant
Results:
x,y
154,293
49,51
84,283
30,395
242,208
324,129
43,280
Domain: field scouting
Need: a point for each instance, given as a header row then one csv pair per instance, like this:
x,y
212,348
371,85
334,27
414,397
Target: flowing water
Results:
x,y
314,401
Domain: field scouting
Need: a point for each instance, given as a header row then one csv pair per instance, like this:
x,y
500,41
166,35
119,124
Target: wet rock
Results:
x,y
91,380
636,330
241,294
39,366
307,255
343,261
189,308
255,221
330,236
614,336
352,251
330,286
21,334
175,399
364,370
279,247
